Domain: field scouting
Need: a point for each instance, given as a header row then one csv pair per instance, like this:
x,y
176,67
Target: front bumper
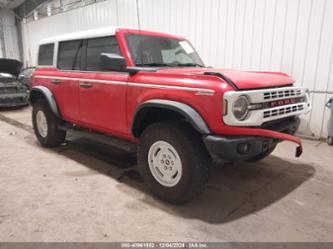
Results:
x,y
242,148
14,99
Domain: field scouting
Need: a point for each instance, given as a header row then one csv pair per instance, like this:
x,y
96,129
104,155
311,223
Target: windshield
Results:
x,y
160,51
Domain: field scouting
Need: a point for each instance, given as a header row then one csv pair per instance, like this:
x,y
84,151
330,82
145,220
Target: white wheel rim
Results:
x,y
41,123
165,164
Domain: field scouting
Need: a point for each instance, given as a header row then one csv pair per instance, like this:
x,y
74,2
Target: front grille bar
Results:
x,y
292,93
283,110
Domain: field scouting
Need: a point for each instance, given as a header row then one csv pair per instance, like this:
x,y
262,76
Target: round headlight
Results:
x,y
240,108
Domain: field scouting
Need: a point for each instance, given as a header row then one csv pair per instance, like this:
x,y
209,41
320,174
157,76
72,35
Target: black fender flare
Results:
x,y
190,114
48,95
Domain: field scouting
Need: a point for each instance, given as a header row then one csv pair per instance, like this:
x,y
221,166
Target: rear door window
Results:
x,y
69,56
97,46
45,54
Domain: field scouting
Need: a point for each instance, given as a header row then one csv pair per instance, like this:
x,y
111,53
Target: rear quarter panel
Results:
x,y
65,94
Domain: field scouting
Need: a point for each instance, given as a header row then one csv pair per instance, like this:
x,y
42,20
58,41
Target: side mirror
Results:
x,y
113,62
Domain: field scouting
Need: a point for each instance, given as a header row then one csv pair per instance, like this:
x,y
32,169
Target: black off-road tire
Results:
x,y
54,136
262,155
195,160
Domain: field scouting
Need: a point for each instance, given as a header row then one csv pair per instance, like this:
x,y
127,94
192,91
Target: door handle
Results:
x,y
55,81
85,85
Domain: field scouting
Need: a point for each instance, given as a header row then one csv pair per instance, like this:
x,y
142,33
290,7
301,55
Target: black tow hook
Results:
x,y
299,151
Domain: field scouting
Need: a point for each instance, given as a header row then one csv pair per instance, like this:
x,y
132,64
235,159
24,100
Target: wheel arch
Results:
x,y
42,92
172,109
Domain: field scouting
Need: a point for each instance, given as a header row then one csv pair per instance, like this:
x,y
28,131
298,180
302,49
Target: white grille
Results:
x,y
280,94
283,111
259,116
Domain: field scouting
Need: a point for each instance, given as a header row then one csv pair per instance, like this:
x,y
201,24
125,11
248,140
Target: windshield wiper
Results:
x,y
188,65
153,65
169,65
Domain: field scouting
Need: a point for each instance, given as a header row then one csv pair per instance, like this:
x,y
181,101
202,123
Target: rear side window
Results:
x,y
45,54
97,46
69,55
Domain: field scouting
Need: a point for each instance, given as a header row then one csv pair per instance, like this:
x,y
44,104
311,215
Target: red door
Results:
x,y
102,101
65,90
65,80
102,93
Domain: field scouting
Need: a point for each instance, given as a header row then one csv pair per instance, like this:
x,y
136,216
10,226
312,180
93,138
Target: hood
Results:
x,y
251,80
241,79
10,66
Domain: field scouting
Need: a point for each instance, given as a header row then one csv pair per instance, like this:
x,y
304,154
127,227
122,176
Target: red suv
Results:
x,y
150,92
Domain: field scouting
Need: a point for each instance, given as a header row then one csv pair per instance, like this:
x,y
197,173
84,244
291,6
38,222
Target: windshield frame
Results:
x,y
198,63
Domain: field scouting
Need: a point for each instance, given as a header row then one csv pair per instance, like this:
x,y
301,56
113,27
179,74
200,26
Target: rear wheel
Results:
x,y
173,161
262,155
46,125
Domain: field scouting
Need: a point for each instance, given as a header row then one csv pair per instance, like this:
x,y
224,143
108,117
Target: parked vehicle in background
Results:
x,y
151,92
13,93
25,76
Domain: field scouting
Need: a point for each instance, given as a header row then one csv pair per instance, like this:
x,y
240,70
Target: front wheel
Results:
x,y
173,161
46,125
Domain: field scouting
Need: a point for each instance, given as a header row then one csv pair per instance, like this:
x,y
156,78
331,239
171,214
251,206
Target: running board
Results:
x,y
101,138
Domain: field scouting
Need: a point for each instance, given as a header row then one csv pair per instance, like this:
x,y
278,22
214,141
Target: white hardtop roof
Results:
x,y
81,35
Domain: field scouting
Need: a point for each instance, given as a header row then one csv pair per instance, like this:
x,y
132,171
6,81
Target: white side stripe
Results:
x,y
199,91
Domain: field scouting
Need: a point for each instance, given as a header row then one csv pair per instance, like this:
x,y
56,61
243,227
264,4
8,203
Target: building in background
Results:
x,y
9,47
292,36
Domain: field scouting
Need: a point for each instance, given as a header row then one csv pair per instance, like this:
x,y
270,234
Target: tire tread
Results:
x,y
55,136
